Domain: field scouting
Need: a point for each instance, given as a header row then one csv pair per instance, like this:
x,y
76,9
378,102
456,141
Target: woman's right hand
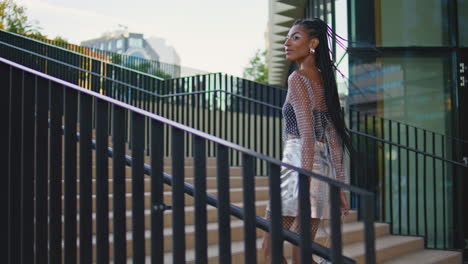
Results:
x,y
344,204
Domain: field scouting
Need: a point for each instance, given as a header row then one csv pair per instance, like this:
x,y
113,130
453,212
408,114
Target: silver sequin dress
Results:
x,y
311,142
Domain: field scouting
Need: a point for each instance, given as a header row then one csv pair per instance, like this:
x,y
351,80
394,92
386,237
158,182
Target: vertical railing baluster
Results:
x,y
304,219
14,161
5,191
361,156
426,239
264,137
367,179
222,179
201,243
255,133
444,182
86,202
138,190
41,175
390,175
382,165
55,178
178,203
102,189
352,165
375,172
369,231
434,189
276,227
204,106
226,107
335,224
459,204
157,192
248,193
408,183
416,176
237,137
399,179
118,185
244,112
70,177
27,168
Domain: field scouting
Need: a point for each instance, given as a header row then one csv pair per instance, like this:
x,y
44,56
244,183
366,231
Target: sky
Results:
x,y
209,35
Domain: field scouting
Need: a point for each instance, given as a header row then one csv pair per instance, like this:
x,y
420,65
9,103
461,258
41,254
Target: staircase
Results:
x,y
389,248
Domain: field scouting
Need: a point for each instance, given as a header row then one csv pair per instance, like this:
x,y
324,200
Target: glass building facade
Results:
x,y
405,62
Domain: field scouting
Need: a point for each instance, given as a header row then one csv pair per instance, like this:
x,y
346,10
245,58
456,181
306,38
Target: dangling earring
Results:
x,y
312,51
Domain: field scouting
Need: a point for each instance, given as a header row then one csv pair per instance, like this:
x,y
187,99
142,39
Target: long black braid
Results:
x,y
319,29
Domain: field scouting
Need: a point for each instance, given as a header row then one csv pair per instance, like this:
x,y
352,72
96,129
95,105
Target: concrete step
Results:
x,y
188,171
427,256
167,160
261,194
211,183
237,234
212,216
237,248
351,232
387,247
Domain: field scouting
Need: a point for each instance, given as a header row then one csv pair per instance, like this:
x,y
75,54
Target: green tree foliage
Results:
x,y
257,69
13,18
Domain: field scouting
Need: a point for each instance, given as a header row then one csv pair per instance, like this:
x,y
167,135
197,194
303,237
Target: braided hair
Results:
x,y
317,28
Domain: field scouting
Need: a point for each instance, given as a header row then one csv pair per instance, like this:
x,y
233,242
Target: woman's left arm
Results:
x,y
336,152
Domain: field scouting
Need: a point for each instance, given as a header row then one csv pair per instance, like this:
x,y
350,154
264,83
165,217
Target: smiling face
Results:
x,y
298,43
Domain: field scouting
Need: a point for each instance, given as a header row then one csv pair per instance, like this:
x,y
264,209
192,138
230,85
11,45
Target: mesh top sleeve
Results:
x,y
301,98
336,151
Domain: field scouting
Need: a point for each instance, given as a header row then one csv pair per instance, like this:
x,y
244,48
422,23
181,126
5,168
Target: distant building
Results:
x,y
166,52
131,44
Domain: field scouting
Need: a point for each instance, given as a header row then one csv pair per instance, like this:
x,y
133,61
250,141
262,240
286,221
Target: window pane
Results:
x,y
415,90
399,23
119,44
415,22
136,43
410,89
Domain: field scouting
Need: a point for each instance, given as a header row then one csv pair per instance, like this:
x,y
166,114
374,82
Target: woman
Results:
x,y
314,130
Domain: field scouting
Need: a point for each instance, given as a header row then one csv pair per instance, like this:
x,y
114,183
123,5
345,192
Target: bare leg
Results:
x,y
287,222
296,253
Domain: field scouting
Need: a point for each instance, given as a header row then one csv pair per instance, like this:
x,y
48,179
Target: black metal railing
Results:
x,y
416,175
51,119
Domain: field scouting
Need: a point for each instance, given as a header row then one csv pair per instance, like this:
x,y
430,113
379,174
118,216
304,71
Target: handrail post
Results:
x,y
248,185
178,203
335,225
369,233
304,219
201,241
222,179
276,241
157,192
